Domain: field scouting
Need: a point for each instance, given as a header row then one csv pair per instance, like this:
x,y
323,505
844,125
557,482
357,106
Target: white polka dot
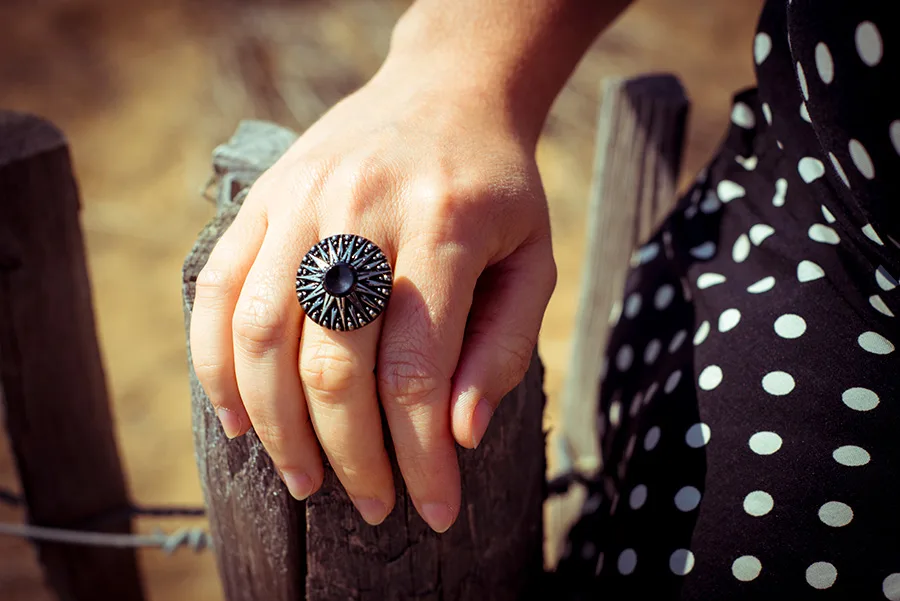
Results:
x,y
765,443
779,144
645,254
710,377
839,169
821,575
704,251
697,435
804,113
879,305
861,159
861,399
759,232
875,343
741,249
758,503
663,297
588,551
638,496
687,498
836,514
599,567
702,333
652,438
886,281
891,587
748,163
707,280
807,271
635,405
727,190
767,112
810,169
894,131
677,340
824,64
781,186
690,212
851,455
681,562
824,234
624,357
615,413
763,285
729,319
872,235
762,46
868,43
746,568
790,326
627,562
801,77
651,390
651,352
614,313
632,305
592,504
742,115
710,203
672,381
828,215
778,383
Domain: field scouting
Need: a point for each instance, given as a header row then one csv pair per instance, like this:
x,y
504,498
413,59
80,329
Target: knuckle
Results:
x,y
274,436
213,285
327,369
260,324
410,379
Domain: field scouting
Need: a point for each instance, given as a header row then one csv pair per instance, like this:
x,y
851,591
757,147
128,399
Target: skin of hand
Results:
x,y
432,160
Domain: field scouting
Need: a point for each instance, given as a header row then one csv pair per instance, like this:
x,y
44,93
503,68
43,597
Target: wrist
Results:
x,y
477,61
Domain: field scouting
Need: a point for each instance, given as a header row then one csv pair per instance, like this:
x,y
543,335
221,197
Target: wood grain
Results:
x,y
57,410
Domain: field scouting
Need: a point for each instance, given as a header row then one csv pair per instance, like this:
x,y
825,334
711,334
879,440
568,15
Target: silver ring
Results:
x,y
344,282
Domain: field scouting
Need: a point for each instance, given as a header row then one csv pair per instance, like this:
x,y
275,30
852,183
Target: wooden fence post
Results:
x,y
57,410
271,547
640,134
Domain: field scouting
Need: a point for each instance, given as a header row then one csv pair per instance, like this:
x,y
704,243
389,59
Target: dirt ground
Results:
x,y
145,89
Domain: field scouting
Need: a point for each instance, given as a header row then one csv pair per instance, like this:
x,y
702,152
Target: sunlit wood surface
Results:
x,y
145,88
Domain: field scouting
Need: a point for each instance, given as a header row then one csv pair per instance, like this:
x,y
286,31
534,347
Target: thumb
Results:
x,y
501,333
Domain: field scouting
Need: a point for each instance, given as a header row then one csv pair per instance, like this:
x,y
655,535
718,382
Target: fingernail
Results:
x,y
372,511
438,516
298,484
481,417
230,421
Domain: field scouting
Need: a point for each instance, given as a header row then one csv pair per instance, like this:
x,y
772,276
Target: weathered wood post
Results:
x,y
640,135
273,548
57,409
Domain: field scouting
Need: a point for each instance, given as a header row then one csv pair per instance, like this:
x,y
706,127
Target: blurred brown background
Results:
x,y
145,89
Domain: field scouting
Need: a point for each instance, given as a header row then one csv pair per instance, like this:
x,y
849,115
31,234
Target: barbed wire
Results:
x,y
195,538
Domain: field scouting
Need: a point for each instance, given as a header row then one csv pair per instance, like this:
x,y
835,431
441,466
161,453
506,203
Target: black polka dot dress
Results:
x,y
750,403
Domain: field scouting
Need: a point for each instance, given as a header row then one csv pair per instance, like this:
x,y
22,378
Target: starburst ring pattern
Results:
x,y
344,282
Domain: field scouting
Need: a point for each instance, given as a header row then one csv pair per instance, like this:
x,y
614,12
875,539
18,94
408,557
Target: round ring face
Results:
x,y
344,282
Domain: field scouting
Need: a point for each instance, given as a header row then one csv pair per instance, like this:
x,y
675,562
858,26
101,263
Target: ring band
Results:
x,y
344,282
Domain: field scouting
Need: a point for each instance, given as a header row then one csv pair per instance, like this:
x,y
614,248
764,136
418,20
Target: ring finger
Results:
x,y
337,370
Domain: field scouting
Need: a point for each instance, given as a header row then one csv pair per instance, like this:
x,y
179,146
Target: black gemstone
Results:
x,y
340,279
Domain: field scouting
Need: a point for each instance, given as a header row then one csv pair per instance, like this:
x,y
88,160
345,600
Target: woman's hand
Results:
x,y
443,179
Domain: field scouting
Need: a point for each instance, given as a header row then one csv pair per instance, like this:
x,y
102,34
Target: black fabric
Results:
x,y
750,407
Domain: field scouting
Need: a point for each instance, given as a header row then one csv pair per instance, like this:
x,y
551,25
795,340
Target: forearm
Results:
x,y
515,52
